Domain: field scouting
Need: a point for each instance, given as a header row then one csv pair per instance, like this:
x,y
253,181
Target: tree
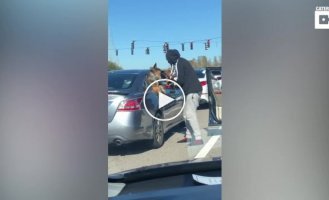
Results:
x,y
113,66
216,62
204,61
194,63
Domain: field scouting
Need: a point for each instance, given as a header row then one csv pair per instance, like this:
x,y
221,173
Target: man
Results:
x,y
183,73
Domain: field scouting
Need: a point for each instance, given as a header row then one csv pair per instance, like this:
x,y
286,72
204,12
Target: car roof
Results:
x,y
129,71
199,69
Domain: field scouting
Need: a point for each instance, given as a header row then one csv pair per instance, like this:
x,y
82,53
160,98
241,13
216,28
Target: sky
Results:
x,y
151,23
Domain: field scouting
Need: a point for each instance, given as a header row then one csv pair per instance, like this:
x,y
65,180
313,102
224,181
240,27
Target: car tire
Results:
x,y
158,133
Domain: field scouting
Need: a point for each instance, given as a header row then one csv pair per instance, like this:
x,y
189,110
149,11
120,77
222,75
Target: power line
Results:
x,y
185,41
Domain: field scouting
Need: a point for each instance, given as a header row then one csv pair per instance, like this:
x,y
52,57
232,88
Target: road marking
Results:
x,y
205,150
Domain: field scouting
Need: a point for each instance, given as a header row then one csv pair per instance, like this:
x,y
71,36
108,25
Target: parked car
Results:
x,y
216,77
201,73
128,121
217,72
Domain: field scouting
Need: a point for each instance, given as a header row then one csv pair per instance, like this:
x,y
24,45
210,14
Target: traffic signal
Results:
x,y
207,45
191,45
116,52
165,47
133,44
132,47
182,46
147,51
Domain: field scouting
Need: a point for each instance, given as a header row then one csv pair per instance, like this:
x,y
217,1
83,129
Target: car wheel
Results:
x,y
158,133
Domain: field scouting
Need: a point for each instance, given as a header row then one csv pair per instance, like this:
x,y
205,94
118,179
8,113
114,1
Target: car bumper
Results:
x,y
127,127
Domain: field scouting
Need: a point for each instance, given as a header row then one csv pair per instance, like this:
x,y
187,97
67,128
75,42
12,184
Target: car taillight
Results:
x,y
203,83
130,105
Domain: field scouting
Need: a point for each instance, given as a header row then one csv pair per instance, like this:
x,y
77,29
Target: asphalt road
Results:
x,y
138,154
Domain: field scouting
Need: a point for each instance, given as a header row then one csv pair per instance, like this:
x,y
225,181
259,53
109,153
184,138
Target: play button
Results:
x,y
164,105
164,100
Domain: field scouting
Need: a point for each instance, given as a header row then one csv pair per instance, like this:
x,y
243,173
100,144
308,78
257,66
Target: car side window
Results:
x,y
145,85
173,92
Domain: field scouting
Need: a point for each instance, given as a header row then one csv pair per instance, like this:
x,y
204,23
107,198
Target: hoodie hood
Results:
x,y
172,56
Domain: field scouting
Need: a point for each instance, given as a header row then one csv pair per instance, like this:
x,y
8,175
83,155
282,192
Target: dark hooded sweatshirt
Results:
x,y
187,77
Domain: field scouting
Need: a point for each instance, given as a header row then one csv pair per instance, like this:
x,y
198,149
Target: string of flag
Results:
x,y
165,46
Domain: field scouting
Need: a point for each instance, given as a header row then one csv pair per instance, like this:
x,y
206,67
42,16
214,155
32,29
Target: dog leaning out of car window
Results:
x,y
152,95
152,77
155,74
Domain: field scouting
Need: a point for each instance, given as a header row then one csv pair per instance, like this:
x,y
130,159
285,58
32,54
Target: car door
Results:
x,y
215,95
172,109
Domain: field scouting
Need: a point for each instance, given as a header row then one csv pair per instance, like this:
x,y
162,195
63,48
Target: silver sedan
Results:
x,y
128,120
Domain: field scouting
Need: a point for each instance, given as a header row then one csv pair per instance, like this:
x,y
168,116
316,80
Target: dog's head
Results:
x,y
161,74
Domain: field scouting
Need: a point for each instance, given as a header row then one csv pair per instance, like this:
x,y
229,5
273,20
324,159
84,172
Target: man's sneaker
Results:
x,y
196,142
184,140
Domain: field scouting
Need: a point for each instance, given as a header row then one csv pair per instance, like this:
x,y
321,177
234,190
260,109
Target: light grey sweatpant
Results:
x,y
191,120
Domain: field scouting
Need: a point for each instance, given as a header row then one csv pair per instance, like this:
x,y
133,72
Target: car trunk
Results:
x,y
114,99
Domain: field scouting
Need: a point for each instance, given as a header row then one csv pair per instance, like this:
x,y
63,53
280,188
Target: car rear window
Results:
x,y
118,81
216,72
